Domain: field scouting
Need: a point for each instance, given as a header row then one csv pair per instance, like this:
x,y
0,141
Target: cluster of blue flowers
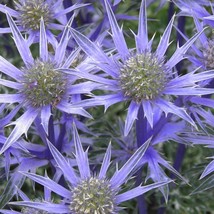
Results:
x,y
74,59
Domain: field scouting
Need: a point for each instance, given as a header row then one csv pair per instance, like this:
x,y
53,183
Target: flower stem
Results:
x,y
141,134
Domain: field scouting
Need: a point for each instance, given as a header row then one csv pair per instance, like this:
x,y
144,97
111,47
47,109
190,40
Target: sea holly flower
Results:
x,y
202,54
141,76
39,84
28,14
201,57
164,134
197,9
89,193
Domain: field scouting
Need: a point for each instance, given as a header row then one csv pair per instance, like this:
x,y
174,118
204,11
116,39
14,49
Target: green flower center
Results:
x,y
143,77
43,84
92,196
209,55
31,12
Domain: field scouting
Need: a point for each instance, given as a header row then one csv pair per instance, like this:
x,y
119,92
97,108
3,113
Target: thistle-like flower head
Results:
x,y
208,54
89,193
142,76
28,15
41,85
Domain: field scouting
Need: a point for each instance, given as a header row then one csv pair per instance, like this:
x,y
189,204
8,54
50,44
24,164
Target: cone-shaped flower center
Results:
x,y
31,12
92,196
143,77
209,55
43,84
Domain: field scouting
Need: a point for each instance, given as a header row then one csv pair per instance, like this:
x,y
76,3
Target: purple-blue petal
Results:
x,y
105,163
45,116
164,42
142,36
7,68
20,42
81,156
70,109
138,191
120,176
117,33
148,111
131,116
46,206
180,51
62,163
43,43
169,107
22,125
11,98
209,168
47,182
5,9
61,47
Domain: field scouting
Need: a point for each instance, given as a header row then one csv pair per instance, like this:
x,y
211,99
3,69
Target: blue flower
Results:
x,y
89,193
141,76
28,14
40,86
202,55
197,9
163,132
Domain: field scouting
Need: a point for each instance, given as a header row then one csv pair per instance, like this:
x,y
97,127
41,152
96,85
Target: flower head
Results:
x,y
202,55
208,54
90,193
93,195
28,15
142,76
41,84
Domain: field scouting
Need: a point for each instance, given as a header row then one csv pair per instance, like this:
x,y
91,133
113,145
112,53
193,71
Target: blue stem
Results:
x,y
141,128
66,4
181,148
141,132
142,136
170,10
180,39
60,139
180,153
51,132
